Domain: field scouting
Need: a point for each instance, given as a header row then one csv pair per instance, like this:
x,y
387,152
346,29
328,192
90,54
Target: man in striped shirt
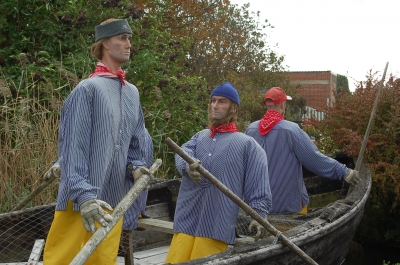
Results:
x,y
101,133
205,218
288,148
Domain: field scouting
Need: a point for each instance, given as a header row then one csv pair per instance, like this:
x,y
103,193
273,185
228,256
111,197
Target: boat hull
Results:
x,y
325,236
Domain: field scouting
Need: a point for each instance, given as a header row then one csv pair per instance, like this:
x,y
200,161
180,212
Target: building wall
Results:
x,y
317,87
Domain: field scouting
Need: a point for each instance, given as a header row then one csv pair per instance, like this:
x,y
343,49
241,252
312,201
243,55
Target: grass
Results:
x,y
28,137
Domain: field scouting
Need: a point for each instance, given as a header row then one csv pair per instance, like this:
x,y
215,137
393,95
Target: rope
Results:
x,y
277,237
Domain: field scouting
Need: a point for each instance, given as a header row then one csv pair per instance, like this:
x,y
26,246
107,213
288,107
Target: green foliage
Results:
x,y
252,106
46,56
174,104
345,124
45,52
226,44
295,107
342,86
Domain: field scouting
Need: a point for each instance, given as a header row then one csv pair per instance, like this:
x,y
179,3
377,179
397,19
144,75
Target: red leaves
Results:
x,y
346,123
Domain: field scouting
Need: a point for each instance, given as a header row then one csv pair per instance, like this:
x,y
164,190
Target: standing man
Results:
x,y
101,134
288,148
205,218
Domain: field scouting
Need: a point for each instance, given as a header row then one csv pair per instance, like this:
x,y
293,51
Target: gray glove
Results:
x,y
53,172
352,177
192,171
91,211
138,173
261,231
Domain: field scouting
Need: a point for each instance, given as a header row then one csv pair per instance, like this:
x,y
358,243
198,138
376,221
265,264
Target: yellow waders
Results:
x,y
185,247
67,236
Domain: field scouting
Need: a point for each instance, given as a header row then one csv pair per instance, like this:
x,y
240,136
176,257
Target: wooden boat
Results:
x,y
324,233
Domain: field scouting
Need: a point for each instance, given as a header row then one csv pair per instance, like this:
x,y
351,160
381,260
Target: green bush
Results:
x,y
44,53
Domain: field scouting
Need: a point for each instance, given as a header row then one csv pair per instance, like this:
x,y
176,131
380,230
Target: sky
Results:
x,y
347,37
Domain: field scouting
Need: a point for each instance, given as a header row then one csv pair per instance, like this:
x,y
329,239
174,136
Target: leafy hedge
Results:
x,y
344,129
45,53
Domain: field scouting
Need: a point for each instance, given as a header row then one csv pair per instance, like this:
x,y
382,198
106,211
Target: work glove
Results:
x,y
192,171
53,172
138,173
352,177
91,211
261,231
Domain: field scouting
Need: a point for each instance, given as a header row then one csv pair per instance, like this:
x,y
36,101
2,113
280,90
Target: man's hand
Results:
x,y
352,177
138,173
192,171
53,172
261,231
91,211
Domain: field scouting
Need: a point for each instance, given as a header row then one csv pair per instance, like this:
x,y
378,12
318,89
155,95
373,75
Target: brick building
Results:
x,y
317,87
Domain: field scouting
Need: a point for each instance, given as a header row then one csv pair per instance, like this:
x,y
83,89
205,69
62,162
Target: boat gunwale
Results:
x,y
309,231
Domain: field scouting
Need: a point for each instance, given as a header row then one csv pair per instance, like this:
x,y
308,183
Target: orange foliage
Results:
x,y
225,38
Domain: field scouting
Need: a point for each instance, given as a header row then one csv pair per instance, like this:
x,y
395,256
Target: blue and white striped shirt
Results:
x,y
132,214
241,165
288,147
101,131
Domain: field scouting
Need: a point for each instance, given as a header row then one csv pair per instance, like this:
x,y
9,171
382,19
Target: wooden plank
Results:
x,y
154,260
36,252
158,210
166,227
244,240
153,256
156,225
150,252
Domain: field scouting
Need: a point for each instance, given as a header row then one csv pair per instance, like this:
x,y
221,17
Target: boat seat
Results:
x,y
166,227
156,225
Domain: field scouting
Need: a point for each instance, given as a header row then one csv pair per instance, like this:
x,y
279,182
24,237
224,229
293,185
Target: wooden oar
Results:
x,y
117,213
370,123
177,149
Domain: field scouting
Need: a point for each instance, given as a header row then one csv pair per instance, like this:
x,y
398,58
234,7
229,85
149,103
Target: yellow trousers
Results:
x,y
303,210
185,247
67,236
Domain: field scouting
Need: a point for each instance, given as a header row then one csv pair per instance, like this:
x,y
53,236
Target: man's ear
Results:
x,y
282,107
106,44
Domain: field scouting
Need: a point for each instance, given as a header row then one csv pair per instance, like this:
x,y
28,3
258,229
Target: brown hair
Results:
x,y
232,116
97,48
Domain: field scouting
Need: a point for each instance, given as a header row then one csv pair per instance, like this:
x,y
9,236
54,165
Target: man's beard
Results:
x,y
214,123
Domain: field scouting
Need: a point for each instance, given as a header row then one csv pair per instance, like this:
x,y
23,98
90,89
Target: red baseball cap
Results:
x,y
277,95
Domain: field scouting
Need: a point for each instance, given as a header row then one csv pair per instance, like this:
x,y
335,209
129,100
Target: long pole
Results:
x,y
371,119
240,203
34,193
370,123
117,213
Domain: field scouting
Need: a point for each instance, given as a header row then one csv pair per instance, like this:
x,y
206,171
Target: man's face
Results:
x,y
220,107
120,47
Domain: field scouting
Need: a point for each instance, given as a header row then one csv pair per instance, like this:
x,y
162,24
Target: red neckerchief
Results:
x,y
268,122
231,127
103,70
